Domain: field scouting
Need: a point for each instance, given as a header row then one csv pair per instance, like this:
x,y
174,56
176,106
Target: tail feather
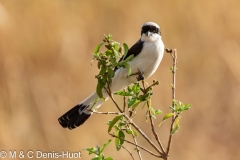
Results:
x,y
74,118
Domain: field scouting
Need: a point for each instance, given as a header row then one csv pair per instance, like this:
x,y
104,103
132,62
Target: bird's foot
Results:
x,y
140,75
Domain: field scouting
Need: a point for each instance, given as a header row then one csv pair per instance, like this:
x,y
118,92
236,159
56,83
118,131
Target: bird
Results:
x,y
148,52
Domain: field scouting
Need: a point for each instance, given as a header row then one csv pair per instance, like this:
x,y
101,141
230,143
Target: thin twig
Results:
x,y
135,141
105,112
153,130
143,134
133,124
124,103
110,95
138,151
128,152
154,84
170,137
136,127
152,125
174,57
137,145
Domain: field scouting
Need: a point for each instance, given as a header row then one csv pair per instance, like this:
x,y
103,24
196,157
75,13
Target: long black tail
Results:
x,y
74,117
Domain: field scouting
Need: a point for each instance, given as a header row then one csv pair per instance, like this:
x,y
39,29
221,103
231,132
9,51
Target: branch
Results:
x,y
137,145
124,103
110,95
151,121
142,133
135,141
153,130
105,112
174,57
170,136
154,84
133,124
128,152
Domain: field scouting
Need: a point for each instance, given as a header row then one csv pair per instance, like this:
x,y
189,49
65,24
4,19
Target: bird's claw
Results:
x,y
140,76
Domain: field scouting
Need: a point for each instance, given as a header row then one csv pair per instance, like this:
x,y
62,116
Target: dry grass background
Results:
x,y
45,53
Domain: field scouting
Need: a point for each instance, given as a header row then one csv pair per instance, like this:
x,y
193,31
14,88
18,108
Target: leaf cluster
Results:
x,y
108,62
121,127
136,95
177,108
98,151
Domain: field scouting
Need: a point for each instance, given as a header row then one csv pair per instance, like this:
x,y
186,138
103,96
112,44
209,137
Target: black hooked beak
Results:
x,y
149,33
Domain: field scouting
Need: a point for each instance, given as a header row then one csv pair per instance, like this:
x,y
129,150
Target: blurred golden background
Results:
x,y
45,53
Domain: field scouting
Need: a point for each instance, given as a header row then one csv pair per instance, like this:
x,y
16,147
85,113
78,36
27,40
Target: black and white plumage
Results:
x,y
148,53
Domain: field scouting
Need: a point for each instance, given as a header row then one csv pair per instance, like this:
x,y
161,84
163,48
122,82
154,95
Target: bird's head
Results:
x,y
150,32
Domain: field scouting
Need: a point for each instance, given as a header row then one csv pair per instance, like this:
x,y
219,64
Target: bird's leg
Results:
x,y
140,75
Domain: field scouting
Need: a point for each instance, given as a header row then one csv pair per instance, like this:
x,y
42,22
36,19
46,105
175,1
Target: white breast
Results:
x,y
149,58
147,61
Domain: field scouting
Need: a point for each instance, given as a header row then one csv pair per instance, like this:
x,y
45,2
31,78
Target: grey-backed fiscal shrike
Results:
x,y
148,53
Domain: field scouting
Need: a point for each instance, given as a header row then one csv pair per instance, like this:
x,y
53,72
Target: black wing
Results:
x,y
134,50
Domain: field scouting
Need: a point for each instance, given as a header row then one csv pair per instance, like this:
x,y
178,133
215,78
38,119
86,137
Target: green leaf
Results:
x,y
176,126
158,111
172,109
168,116
154,117
127,66
181,104
104,145
129,58
136,88
99,90
131,101
187,106
99,64
96,50
110,72
129,89
144,104
144,97
90,150
114,121
175,103
116,46
135,133
109,36
129,131
97,151
108,158
123,93
125,46
103,70
136,104
119,141
116,54
108,52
